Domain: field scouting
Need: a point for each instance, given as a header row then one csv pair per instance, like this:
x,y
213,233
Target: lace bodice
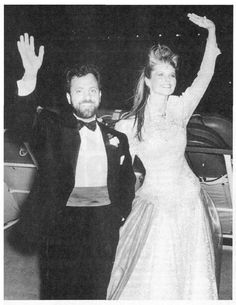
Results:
x,y
163,146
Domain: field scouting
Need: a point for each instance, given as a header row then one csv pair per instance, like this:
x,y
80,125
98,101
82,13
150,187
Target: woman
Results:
x,y
168,245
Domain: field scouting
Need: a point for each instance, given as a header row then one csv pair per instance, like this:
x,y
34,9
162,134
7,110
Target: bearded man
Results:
x,y
85,184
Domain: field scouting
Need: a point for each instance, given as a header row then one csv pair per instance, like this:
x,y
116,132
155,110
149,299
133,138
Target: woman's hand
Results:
x,y
203,22
31,62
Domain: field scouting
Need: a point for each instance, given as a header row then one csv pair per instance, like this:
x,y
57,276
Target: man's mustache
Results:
x,y
87,102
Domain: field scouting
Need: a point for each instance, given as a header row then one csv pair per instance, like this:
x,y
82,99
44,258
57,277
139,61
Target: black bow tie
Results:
x,y
90,125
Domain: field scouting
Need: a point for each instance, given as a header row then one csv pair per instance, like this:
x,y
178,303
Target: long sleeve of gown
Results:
x,y
193,94
126,126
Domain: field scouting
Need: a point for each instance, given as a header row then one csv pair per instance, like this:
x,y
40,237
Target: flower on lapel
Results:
x,y
122,159
114,141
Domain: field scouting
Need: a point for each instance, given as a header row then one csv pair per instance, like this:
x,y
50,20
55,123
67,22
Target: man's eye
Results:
x,y
78,90
93,91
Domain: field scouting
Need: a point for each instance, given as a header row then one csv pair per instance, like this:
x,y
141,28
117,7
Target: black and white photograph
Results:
x,y
118,152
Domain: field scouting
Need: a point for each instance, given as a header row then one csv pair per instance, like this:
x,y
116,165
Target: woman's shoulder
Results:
x,y
174,100
125,125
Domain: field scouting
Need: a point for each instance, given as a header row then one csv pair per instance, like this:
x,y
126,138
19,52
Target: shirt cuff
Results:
x,y
25,87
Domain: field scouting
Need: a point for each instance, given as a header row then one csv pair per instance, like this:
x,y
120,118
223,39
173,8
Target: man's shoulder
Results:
x,y
58,115
47,115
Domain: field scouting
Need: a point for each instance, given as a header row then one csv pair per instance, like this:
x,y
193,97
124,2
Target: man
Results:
x,y
85,184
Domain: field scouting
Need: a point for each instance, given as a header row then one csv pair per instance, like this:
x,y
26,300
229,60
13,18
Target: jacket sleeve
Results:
x,y
24,112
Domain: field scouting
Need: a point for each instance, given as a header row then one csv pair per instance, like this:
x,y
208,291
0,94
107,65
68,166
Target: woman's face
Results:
x,y
162,80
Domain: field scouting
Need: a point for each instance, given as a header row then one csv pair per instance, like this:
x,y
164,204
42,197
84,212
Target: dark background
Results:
x,y
116,38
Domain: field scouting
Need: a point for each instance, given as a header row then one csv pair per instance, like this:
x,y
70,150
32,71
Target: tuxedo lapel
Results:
x,y
113,154
70,139
71,144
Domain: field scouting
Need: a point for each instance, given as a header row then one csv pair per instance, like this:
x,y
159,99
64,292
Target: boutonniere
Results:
x,y
113,140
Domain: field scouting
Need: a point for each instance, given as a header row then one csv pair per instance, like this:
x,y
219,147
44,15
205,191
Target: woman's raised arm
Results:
x,y
194,93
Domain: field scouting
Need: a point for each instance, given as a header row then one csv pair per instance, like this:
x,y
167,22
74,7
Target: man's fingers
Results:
x,y
26,49
22,40
31,41
21,50
20,47
26,36
41,53
23,43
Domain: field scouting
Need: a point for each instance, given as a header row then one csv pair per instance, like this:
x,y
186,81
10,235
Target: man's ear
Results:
x,y
68,98
100,95
147,82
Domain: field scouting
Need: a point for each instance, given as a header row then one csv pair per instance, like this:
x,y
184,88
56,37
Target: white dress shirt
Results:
x,y
91,168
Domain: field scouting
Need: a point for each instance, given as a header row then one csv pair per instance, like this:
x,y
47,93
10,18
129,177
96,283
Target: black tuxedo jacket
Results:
x,y
55,143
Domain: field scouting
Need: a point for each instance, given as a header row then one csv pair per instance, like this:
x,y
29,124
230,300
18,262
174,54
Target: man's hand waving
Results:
x,y
31,62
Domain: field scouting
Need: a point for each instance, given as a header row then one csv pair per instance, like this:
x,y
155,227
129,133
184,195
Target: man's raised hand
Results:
x,y
31,62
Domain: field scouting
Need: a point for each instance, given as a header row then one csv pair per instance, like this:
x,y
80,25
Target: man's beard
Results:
x,y
86,110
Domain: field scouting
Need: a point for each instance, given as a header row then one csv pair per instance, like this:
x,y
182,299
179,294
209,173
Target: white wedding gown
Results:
x,y
169,245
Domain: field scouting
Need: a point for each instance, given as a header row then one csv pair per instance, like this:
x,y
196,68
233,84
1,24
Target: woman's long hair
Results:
x,y
157,54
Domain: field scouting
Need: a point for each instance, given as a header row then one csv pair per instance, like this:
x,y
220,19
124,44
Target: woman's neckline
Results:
x,y
152,108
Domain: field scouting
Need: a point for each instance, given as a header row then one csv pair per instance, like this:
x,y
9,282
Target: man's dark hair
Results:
x,y
79,71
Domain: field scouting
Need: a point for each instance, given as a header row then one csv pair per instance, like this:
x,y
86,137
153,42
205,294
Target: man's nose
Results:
x,y
87,95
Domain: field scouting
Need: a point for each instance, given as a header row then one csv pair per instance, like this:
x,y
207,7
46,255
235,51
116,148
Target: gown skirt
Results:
x,y
168,252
